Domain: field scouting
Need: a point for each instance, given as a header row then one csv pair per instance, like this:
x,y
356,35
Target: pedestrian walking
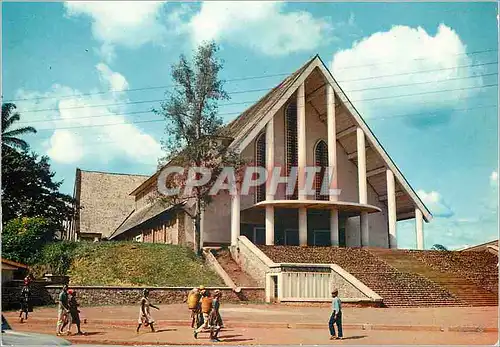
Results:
x,y
193,301
206,309
336,317
145,317
74,313
215,317
25,301
62,310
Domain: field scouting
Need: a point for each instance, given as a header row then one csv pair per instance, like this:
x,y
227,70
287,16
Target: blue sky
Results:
x,y
443,136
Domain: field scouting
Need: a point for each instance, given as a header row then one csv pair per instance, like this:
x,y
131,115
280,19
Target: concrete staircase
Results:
x,y
239,277
400,279
470,276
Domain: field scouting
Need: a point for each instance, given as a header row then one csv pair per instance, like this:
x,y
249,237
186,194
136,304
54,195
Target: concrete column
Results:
x,y
391,207
269,195
332,138
301,140
363,194
235,219
332,162
365,235
303,226
269,225
334,227
301,156
268,287
419,228
280,287
361,166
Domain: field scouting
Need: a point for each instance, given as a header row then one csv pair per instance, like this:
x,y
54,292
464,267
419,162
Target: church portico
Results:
x,y
285,226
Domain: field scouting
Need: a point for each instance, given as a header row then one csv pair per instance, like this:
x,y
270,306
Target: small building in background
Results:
x,y
12,270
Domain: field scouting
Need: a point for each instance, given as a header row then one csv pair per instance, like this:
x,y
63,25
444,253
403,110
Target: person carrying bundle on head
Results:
x,y
193,301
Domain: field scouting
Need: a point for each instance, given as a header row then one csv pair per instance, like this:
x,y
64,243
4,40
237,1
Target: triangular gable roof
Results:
x,y
248,125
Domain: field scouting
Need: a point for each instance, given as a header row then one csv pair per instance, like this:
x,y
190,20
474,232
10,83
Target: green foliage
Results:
x,y
138,264
58,256
10,137
193,137
28,190
438,247
23,238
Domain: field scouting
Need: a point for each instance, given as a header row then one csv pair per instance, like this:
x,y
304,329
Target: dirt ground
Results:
x,y
279,324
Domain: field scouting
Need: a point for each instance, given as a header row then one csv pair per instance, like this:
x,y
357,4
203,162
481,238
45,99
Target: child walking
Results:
x,y
215,317
336,317
144,312
74,313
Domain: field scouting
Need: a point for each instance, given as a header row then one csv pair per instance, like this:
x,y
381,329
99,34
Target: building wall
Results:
x,y
145,197
7,275
217,226
165,232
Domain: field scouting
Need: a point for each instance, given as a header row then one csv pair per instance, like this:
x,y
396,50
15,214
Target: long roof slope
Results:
x,y
104,200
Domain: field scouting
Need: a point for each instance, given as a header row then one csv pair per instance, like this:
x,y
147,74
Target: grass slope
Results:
x,y
139,264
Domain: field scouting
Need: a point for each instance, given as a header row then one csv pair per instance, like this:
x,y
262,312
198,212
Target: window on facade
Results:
x,y
322,238
292,237
260,161
291,143
321,161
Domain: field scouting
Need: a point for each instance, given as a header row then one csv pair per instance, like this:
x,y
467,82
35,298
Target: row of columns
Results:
x,y
332,162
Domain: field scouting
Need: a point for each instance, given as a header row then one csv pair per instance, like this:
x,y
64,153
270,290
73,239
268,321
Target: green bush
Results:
x,y
57,256
24,238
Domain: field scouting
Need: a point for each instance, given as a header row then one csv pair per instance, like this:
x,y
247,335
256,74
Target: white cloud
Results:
x,y
115,81
435,203
494,178
91,138
401,51
261,25
125,23
65,147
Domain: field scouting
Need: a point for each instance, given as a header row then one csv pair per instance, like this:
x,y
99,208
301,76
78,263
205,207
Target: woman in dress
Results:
x,y
144,312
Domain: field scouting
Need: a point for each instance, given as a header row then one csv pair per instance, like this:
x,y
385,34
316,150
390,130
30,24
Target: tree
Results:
x,y
28,190
24,238
438,247
194,126
10,136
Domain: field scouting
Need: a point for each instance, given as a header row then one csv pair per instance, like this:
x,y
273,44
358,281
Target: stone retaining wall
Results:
x,y
11,292
97,296
44,293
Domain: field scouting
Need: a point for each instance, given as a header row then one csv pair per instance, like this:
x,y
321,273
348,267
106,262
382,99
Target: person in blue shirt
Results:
x,y
336,317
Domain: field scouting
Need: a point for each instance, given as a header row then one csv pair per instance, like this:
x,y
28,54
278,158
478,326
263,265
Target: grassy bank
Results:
x,y
137,264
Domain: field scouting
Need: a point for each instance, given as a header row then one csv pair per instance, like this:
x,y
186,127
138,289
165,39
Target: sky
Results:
x,y
424,77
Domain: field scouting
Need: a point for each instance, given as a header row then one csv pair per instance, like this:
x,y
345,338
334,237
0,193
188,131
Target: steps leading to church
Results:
x,y
469,276
398,277
239,277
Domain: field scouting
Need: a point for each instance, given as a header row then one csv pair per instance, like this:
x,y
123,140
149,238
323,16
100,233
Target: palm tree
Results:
x,y
10,137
